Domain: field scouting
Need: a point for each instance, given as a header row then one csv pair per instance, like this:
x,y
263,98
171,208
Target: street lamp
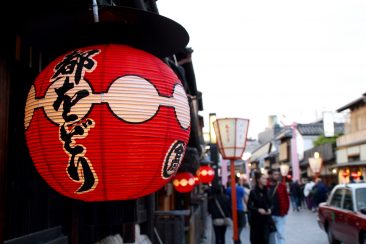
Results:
x,y
284,168
316,164
231,134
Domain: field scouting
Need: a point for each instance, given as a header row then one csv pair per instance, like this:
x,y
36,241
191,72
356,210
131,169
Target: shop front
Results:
x,y
350,171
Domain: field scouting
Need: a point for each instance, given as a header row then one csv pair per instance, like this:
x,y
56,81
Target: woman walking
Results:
x,y
259,207
218,207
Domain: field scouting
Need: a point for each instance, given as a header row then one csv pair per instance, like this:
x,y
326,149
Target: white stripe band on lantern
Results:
x,y
131,98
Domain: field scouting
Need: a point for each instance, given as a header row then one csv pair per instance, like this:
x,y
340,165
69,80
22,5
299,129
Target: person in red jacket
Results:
x,y
280,205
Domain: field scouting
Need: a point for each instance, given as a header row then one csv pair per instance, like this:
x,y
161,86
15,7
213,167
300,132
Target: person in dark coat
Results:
x,y
295,195
259,206
217,196
320,192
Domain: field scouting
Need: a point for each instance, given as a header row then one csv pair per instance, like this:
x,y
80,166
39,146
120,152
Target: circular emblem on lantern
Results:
x,y
104,118
173,159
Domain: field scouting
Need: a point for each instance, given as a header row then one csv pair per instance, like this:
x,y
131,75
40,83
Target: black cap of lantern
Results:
x,y
60,30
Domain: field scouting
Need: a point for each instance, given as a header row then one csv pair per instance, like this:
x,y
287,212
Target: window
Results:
x,y
353,158
337,198
347,202
361,198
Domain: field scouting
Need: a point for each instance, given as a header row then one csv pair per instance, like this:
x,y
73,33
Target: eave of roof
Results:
x,y
352,104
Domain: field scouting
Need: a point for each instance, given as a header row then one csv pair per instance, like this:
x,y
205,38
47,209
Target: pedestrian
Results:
x,y
269,180
241,201
351,179
308,197
219,208
361,179
295,195
244,183
259,207
280,205
320,193
301,194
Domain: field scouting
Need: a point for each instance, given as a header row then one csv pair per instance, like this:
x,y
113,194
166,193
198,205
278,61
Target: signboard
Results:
x,y
328,123
283,152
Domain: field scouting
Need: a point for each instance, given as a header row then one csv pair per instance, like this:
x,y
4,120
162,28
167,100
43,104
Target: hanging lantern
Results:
x,y
184,182
107,122
206,174
196,180
231,136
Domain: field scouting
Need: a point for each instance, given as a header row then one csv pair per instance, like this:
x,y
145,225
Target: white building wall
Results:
x,y
342,156
355,150
363,152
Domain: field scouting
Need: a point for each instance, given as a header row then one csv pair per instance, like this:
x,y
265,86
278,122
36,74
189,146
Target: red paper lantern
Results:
x,y
196,180
206,174
184,182
107,122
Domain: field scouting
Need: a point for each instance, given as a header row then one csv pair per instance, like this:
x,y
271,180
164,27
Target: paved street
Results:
x,y
301,228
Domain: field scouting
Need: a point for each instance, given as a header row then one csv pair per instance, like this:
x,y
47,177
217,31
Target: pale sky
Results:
x,y
256,58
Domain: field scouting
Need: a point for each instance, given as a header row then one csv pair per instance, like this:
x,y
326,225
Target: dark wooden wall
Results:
x,y
4,105
28,204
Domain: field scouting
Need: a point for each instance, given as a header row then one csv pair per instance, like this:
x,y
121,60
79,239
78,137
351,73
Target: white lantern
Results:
x,y
284,169
315,163
231,136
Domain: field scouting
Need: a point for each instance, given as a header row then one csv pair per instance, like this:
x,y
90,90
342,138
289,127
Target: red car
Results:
x,y
343,216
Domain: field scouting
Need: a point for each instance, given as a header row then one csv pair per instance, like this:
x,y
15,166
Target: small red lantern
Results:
x,y
107,122
206,174
183,182
196,180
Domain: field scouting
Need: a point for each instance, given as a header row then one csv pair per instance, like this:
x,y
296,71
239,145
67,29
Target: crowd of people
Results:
x,y
264,204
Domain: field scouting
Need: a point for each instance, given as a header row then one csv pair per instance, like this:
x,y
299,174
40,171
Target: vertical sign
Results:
x,y
328,123
224,172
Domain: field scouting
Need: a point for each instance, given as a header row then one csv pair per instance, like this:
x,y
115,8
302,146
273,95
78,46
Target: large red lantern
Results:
x,y
206,174
107,122
184,182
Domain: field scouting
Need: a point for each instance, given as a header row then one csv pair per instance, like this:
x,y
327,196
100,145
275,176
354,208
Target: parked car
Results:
x,y
343,216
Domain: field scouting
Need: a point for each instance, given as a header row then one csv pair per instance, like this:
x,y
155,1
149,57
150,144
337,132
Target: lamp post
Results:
x,y
214,154
231,134
284,168
315,164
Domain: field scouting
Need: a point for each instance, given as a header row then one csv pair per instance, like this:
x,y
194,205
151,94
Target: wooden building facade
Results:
x,y
39,32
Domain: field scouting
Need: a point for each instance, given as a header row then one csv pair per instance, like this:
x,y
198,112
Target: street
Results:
x,y
301,228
